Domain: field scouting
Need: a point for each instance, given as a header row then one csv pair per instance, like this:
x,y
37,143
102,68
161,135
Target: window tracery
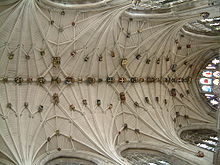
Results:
x,y
150,157
203,138
71,2
207,26
209,80
69,161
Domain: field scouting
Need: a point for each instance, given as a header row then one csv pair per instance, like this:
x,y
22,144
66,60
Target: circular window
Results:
x,y
203,138
209,82
150,157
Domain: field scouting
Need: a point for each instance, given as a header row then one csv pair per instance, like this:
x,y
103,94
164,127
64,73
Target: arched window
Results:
x,y
209,82
208,26
150,157
69,161
75,1
203,138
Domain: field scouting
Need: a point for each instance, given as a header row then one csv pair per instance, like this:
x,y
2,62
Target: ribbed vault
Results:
x,y
93,80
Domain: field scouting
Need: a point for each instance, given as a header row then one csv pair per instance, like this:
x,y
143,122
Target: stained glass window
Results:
x,y
206,88
206,81
210,80
207,73
216,74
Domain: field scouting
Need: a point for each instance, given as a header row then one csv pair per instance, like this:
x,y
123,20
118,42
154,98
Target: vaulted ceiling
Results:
x,y
92,78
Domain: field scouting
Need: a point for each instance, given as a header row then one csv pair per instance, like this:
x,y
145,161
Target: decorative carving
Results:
x,y
10,56
173,67
181,95
122,79
179,47
18,80
100,80
80,80
69,80
26,104
165,101
133,79
110,79
122,97
125,126
136,2
148,61
124,62
42,52
40,108
84,102
173,92
138,57
90,80
51,22
128,35
157,99
56,61
57,132
41,80
141,79
98,102
186,116
158,61
5,79
48,139
100,58
29,80
27,57
136,104
9,105
60,29
137,131
56,98
177,114
204,15
147,99
112,54
187,91
176,41
62,12
72,107
73,53
200,154
187,79
150,79
86,59
55,80
110,106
